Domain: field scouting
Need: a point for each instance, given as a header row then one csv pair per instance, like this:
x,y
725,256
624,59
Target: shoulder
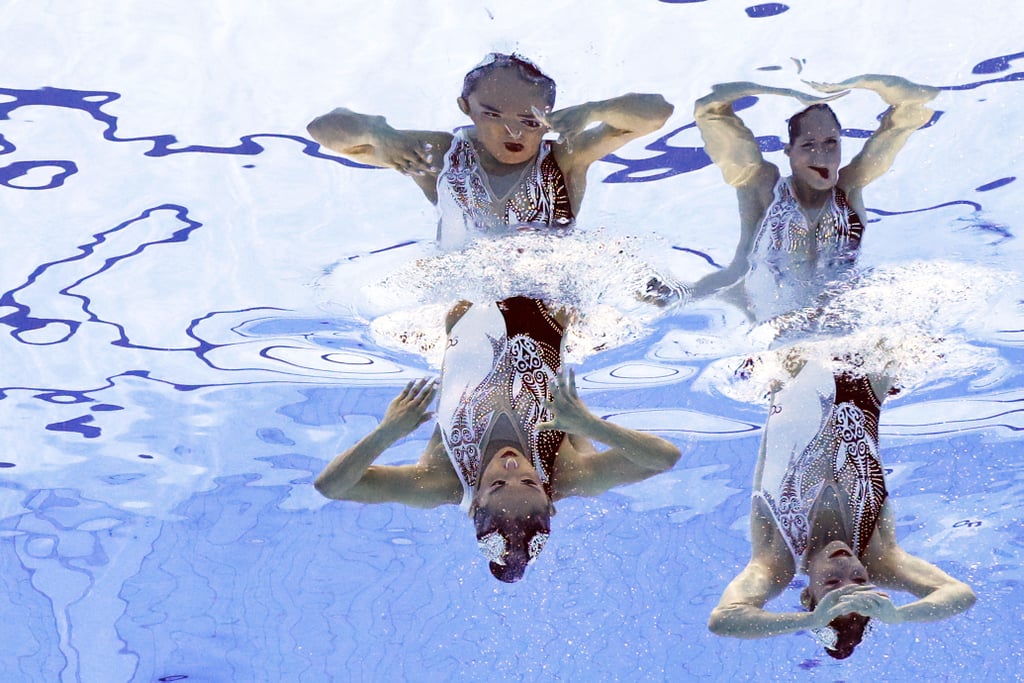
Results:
x,y
759,188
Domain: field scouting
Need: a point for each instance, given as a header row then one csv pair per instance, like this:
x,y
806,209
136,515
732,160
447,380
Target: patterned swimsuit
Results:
x,y
823,430
790,262
470,208
501,357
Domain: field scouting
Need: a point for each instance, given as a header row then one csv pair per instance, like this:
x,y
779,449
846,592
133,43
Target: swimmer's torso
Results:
x,y
790,260
822,431
502,356
470,207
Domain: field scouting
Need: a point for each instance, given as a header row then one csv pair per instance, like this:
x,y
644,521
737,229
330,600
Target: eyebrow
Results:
x,y
496,110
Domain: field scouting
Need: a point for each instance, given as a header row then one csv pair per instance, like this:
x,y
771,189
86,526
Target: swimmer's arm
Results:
x,y
619,120
631,456
740,611
429,483
727,140
907,113
939,595
370,140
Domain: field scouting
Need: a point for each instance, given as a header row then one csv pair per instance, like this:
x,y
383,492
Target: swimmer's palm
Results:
x,y
409,409
568,413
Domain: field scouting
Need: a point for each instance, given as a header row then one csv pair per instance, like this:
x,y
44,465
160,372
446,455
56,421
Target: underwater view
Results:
x,y
272,411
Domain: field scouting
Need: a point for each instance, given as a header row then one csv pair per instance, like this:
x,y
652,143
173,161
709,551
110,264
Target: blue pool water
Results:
x,y
186,342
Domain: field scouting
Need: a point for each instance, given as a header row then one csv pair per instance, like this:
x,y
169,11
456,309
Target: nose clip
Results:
x,y
515,134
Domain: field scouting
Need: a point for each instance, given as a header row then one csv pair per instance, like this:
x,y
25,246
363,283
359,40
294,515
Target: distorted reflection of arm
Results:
x,y
370,140
429,483
735,150
581,470
590,131
907,113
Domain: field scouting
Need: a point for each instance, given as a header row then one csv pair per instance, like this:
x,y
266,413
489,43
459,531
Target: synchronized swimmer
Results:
x,y
512,435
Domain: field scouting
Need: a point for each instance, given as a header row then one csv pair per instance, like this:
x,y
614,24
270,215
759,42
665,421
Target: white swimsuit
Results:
x,y
822,429
789,261
501,357
470,208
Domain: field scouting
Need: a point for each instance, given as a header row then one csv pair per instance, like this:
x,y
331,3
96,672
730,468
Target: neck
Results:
x,y
493,166
828,523
808,197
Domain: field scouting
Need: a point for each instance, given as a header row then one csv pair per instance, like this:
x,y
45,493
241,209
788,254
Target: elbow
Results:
x,y
661,109
967,597
670,457
705,106
721,623
315,128
323,486
717,623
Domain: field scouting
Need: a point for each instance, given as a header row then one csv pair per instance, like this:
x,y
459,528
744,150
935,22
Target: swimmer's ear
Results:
x,y
551,509
805,598
787,148
463,105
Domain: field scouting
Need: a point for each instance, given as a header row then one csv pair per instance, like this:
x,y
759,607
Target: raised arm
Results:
x,y
939,595
429,483
618,121
740,611
907,113
727,140
582,471
368,139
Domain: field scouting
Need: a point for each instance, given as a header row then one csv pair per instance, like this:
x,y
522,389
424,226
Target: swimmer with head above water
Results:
x,y
798,232
512,435
502,173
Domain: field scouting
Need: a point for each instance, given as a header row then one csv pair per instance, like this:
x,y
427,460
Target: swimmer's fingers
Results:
x,y
835,604
426,391
541,116
871,603
833,92
408,410
410,155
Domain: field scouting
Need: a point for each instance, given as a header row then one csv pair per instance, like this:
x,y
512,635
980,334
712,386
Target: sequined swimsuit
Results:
x,y
790,262
500,357
469,207
823,430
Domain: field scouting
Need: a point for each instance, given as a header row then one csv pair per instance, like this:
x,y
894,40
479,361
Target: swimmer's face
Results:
x,y
834,566
815,152
501,107
510,486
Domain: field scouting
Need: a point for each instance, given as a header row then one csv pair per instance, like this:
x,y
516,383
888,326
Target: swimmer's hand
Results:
x,y
664,293
894,90
408,154
724,93
409,409
568,413
833,604
568,123
871,602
